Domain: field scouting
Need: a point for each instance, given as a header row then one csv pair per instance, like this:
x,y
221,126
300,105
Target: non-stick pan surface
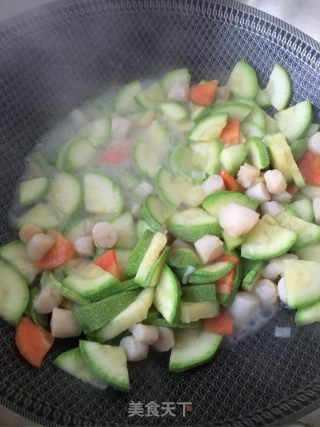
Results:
x,y
53,60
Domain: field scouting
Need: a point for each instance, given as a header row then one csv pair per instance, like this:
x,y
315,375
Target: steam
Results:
x,y
11,8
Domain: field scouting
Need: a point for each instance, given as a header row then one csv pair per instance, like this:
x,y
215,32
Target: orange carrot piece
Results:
x,y
115,154
222,324
32,341
231,133
309,166
224,285
61,252
228,258
108,262
203,93
229,182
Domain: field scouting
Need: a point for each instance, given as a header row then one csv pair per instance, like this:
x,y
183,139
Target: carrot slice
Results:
x,y
115,154
224,285
61,252
32,341
309,165
228,258
203,93
229,182
222,324
108,262
231,133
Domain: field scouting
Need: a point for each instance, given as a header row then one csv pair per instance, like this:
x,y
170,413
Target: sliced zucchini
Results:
x,y
193,223
79,153
198,113
183,257
157,135
167,295
15,252
294,121
155,213
307,233
125,99
233,157
288,208
32,190
298,148
308,315
252,270
122,257
194,311
181,76
126,231
65,193
258,153
72,362
256,115
208,154
309,253
304,209
250,129
198,293
69,294
156,319
107,363
97,132
232,242
136,313
152,253
91,282
42,215
262,98
193,348
142,226
146,159
302,279
37,318
209,128
217,201
282,158
182,161
266,241
14,293
173,111
235,110
138,253
279,88
102,194
243,80
97,314
271,124
155,271
167,188
60,157
210,273
150,97
311,130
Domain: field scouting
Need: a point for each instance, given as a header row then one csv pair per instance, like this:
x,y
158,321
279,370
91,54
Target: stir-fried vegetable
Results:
x,y
148,220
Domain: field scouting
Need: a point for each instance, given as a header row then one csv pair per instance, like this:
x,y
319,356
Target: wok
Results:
x,y
54,59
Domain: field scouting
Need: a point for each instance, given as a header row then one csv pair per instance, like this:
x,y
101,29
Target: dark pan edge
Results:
x,y
296,42
243,16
